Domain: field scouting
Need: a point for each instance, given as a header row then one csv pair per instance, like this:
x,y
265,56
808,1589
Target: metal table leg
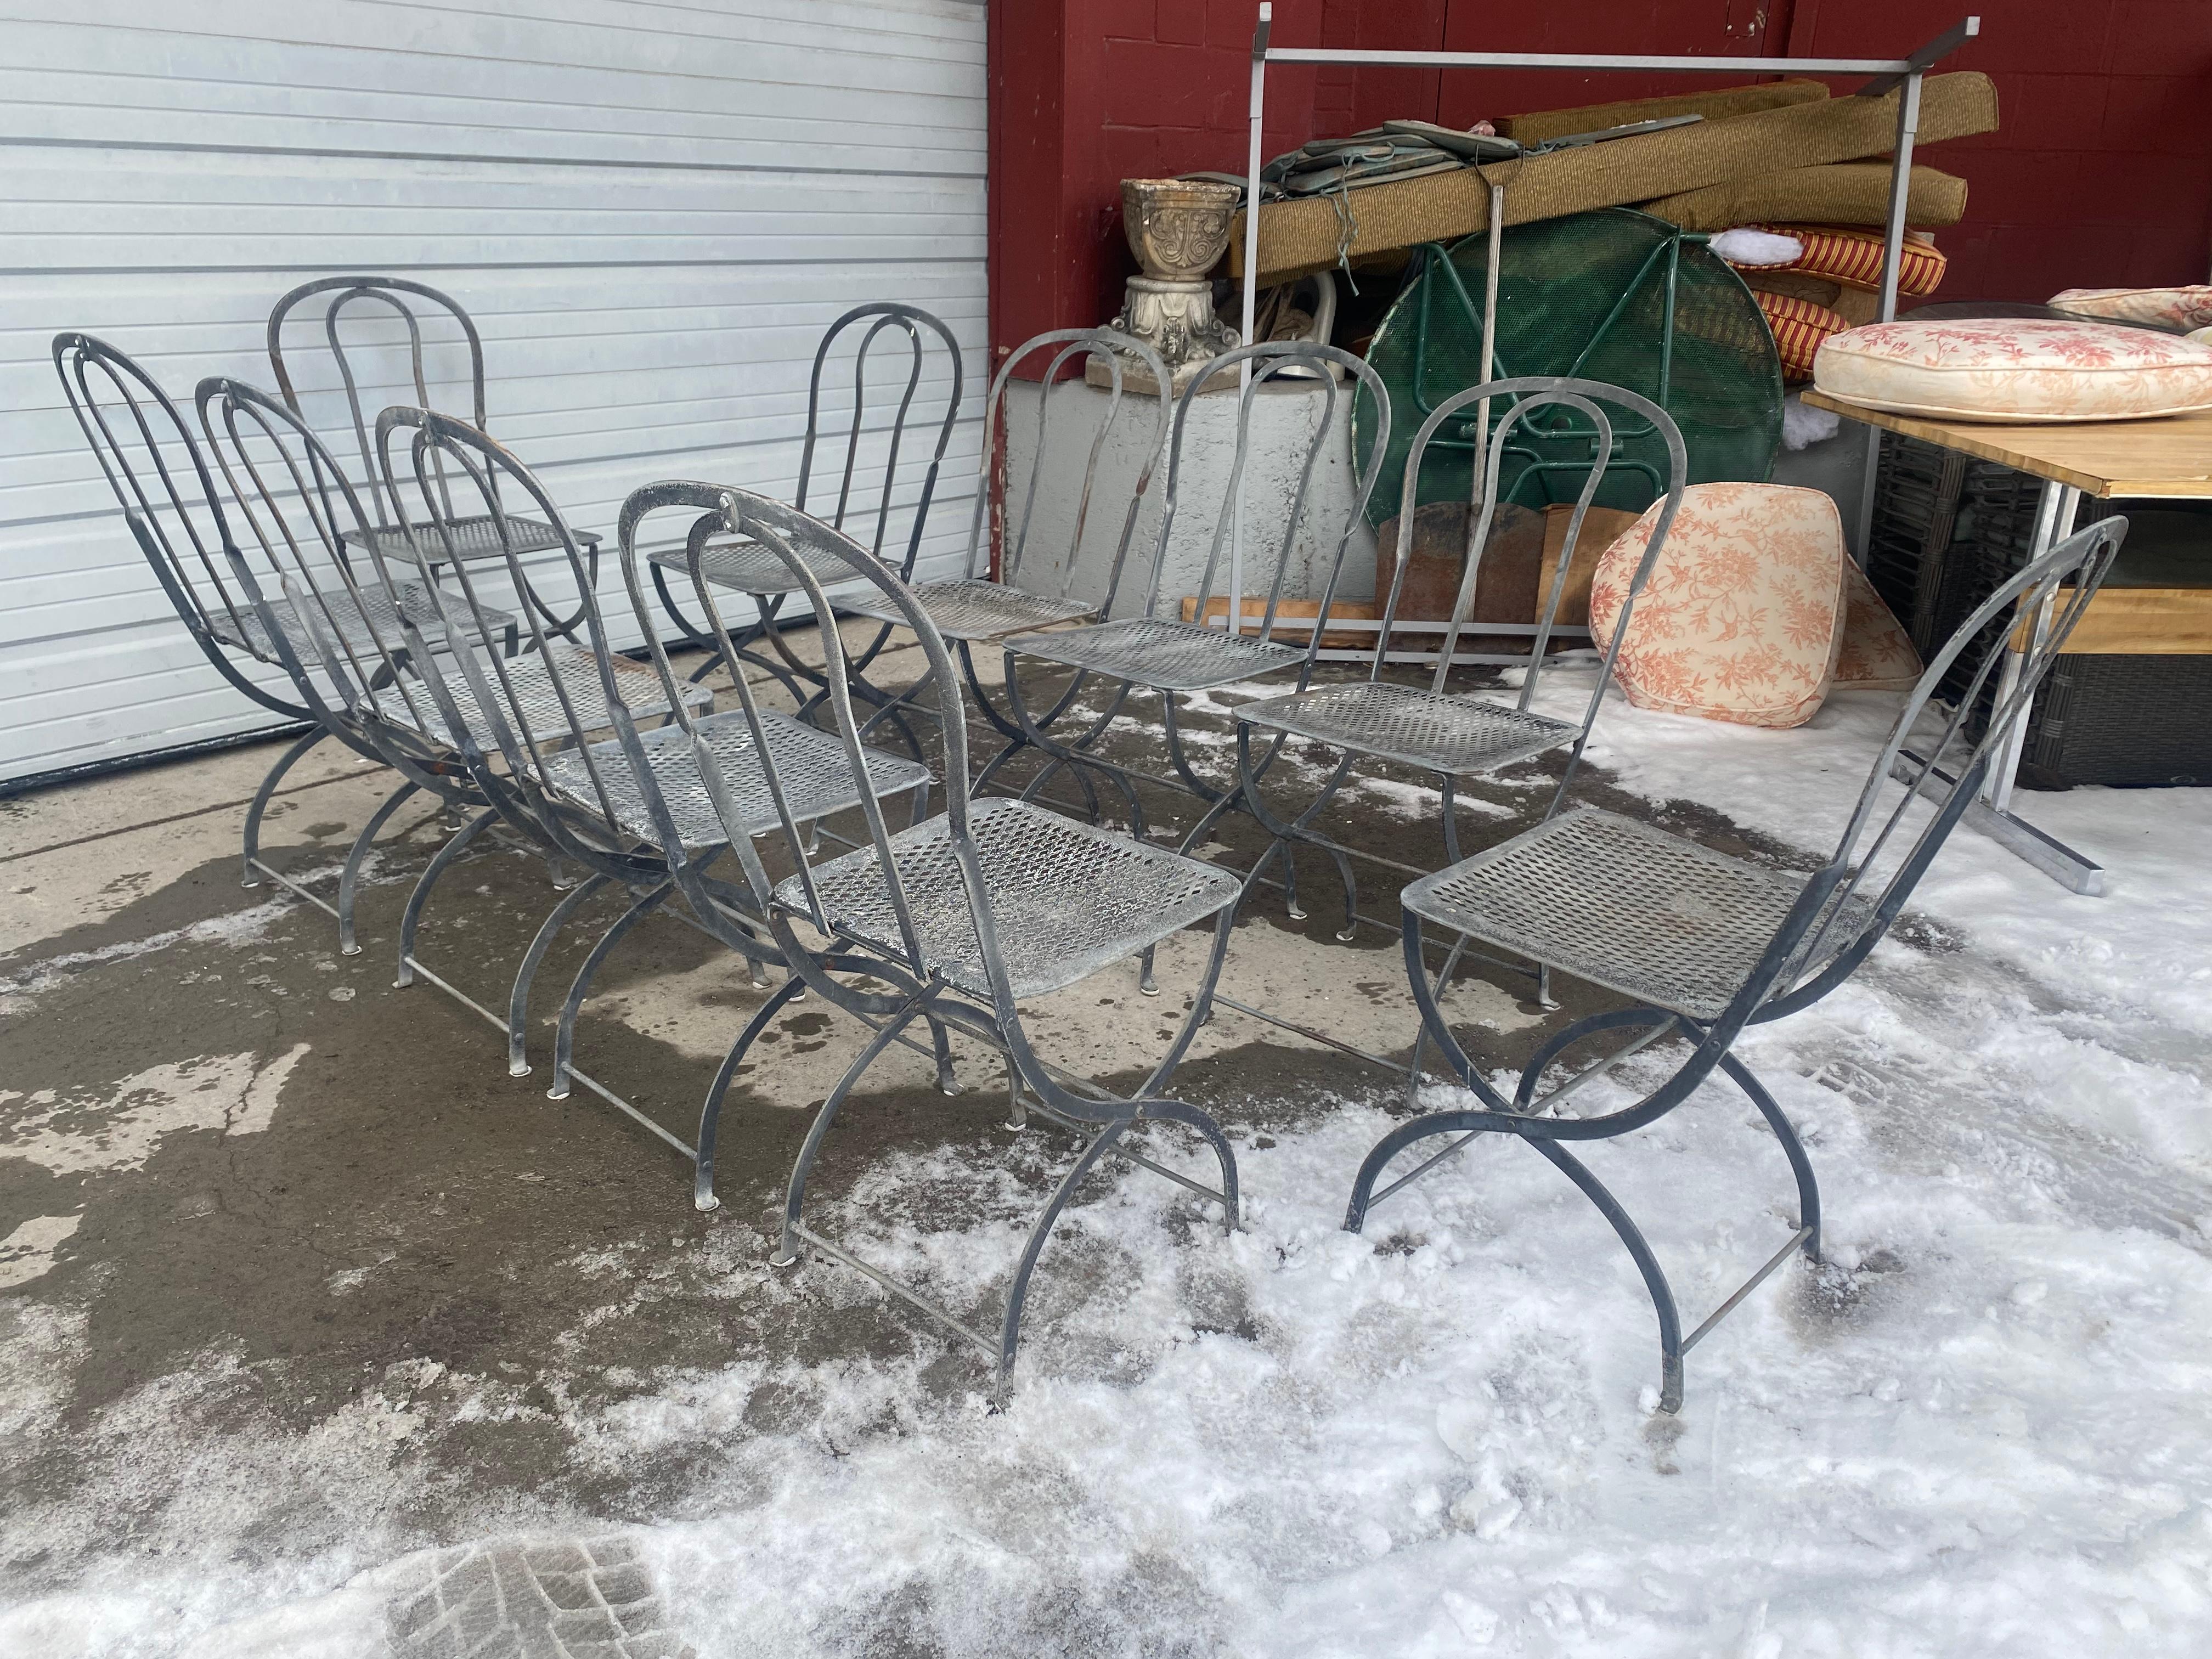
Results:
x,y
1992,814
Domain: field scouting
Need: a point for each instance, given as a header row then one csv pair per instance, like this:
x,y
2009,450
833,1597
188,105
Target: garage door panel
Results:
x,y
651,211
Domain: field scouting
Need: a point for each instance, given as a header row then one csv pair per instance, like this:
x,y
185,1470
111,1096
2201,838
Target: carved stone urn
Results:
x,y
1178,229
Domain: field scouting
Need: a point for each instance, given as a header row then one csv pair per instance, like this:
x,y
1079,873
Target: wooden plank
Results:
x,y
2140,622
2170,457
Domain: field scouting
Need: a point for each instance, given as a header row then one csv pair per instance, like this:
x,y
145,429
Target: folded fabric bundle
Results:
x,y
1799,327
1845,193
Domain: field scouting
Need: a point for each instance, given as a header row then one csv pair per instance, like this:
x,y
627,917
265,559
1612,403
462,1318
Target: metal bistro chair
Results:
x,y
1705,945
527,725
1457,735
292,498
1028,592
965,916
409,305
1170,655
749,570
280,619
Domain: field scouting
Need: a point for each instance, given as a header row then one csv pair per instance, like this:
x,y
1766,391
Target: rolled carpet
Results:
x,y
1313,234
1845,193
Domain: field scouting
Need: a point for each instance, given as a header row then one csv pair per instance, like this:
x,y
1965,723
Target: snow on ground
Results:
x,y
1982,1429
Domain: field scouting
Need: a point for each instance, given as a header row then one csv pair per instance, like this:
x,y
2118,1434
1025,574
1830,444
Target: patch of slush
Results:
x,y
18,992
116,1127
28,1253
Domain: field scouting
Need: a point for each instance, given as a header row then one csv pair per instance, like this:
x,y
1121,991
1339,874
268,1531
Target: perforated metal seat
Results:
x,y
1459,735
965,609
534,695
358,627
1066,899
750,568
810,764
474,538
1171,656
1619,903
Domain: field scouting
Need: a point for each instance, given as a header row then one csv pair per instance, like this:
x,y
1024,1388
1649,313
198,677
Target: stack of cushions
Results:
x,y
2183,310
1753,612
2015,369
1815,280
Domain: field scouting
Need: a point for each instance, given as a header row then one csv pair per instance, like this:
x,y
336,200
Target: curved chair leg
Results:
x,y
1010,1328
1809,1191
349,877
262,797
518,1001
710,1116
411,918
1351,896
940,1043
1174,1111
786,1252
564,1039
1654,1281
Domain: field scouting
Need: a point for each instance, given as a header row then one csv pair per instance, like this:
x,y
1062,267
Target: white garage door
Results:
x,y
652,212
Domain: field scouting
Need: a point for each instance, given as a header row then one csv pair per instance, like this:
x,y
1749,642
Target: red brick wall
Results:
x,y
2102,173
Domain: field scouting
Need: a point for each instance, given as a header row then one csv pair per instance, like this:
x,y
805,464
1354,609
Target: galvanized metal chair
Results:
x,y
357,635
873,439
366,320
1456,735
965,916
1040,572
280,616
1705,945
531,728
1168,656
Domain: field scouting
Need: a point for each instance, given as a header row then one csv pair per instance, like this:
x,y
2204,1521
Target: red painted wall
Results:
x,y
2100,176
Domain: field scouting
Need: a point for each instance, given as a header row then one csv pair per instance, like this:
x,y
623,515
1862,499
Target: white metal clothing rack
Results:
x,y
1883,75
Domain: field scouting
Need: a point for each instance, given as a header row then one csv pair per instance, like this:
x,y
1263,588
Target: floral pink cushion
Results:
x,y
1877,654
1744,613
2182,308
2035,368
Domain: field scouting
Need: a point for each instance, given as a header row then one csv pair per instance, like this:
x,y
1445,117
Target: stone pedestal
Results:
x,y
1178,229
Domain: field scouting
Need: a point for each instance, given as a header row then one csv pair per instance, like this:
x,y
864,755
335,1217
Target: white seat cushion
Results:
x,y
2034,369
2182,308
1744,613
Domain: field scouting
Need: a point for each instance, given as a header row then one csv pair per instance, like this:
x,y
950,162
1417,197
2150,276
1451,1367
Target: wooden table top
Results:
x,y
2170,456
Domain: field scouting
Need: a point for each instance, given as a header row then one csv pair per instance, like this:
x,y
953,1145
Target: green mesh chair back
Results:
x,y
1617,296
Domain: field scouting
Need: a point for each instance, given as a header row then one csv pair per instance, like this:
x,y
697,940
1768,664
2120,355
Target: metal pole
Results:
x,y
1260,32
1489,356
2054,521
1892,255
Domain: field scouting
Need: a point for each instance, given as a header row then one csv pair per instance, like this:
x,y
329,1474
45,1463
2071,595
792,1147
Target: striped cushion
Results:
x,y
1853,258
1799,327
